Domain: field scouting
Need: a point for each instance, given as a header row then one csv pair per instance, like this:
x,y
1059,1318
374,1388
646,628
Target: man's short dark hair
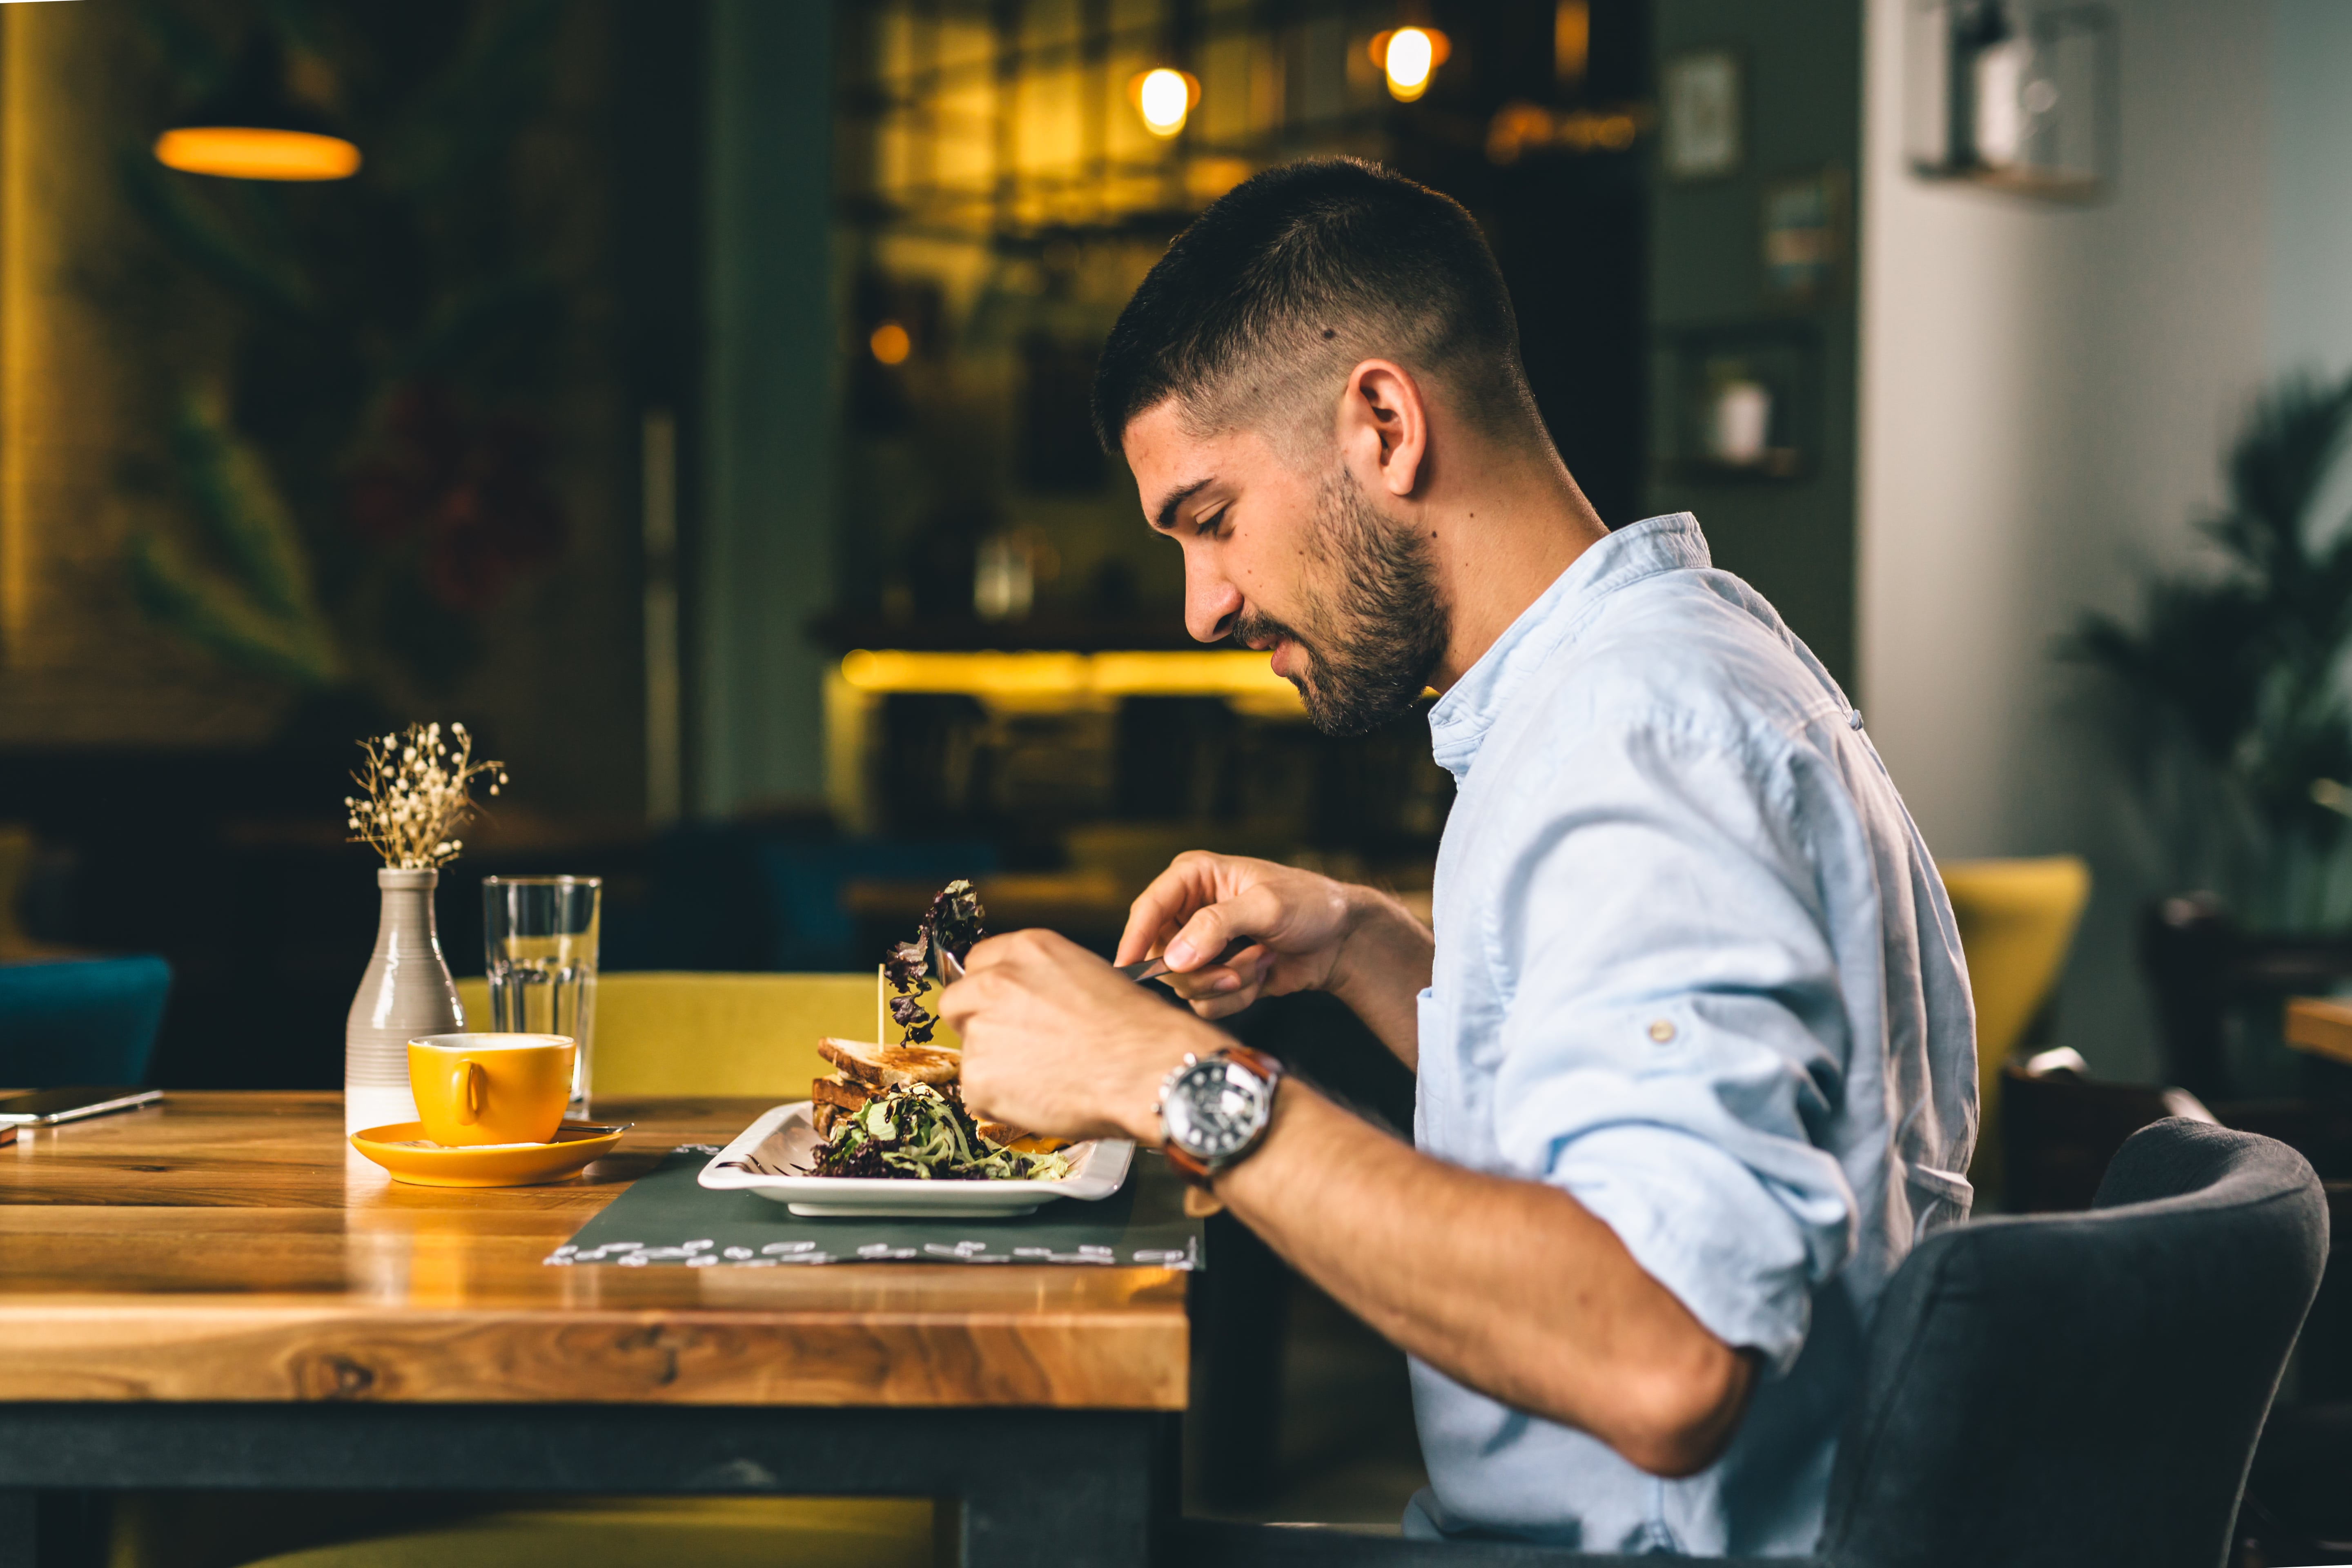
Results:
x,y
1259,309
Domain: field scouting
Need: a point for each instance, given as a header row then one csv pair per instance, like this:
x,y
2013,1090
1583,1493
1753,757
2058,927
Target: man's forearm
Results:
x,y
1509,1287
1381,969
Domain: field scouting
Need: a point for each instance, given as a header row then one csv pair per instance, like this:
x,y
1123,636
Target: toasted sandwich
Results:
x,y
833,1097
862,1070
884,1067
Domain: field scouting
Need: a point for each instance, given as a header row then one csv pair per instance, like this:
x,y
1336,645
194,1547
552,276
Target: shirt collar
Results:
x,y
1459,721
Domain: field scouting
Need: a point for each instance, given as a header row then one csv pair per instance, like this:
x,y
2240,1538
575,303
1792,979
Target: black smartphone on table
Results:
x,y
48,1107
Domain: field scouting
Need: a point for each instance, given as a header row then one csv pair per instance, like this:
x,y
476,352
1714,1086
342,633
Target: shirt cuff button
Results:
x,y
1661,1031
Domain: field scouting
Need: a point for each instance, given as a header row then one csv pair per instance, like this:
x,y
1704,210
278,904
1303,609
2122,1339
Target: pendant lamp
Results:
x,y
253,130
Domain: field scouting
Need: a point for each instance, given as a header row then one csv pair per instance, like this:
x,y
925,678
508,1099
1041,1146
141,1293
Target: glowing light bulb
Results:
x,y
1165,98
890,344
256,153
1411,56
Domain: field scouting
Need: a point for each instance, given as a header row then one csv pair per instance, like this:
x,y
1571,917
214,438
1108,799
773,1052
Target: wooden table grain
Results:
x,y
2321,1026
229,1250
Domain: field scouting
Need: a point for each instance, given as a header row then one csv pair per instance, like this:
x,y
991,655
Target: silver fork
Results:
x,y
1153,968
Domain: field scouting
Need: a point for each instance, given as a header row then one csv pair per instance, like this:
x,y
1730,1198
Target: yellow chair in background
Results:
x,y
656,1033
665,1034
693,1532
2016,921
336,1530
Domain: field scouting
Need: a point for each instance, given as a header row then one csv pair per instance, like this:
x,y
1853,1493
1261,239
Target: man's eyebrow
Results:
x,y
1166,519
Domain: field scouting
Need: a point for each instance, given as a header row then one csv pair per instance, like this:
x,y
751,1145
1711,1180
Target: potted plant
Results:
x,y
2231,721
416,794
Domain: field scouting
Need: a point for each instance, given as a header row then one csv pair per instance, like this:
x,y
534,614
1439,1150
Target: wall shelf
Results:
x,y
1738,403
2016,96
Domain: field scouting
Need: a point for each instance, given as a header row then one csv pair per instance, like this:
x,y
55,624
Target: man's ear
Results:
x,y
1384,427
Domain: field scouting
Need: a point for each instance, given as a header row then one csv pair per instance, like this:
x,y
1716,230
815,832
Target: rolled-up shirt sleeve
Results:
x,y
1675,1039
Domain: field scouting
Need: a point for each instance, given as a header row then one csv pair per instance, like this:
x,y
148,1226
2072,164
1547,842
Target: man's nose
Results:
x,y
1211,603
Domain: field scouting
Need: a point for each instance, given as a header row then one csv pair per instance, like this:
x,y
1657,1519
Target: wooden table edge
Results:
x,y
2320,1026
177,1350
372,1306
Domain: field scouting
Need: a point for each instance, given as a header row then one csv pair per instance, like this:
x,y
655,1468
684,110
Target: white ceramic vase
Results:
x,y
405,992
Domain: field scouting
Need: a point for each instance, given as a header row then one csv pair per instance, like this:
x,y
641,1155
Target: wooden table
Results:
x,y
215,1293
2321,1026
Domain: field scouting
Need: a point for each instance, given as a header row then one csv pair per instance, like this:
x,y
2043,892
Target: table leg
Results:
x,y
1062,1521
1098,1506
1240,1312
53,1529
19,1528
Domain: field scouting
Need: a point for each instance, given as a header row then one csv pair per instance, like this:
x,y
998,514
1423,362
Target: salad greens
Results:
x,y
919,1131
952,924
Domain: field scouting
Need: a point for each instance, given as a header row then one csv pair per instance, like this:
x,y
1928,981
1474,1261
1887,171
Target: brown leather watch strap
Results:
x,y
1258,1061
1267,1069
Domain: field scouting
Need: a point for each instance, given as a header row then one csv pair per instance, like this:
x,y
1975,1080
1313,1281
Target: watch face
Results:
x,y
1215,1109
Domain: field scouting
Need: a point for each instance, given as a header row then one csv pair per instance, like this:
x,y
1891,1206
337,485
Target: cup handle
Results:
x,y
465,1090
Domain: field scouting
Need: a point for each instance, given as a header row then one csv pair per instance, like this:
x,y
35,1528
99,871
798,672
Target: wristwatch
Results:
x,y
1214,1110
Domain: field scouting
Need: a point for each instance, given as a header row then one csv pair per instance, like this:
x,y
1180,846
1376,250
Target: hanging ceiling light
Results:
x,y
1409,57
1164,97
890,344
253,131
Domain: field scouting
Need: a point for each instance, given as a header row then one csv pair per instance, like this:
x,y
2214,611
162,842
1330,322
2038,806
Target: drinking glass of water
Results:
x,y
539,936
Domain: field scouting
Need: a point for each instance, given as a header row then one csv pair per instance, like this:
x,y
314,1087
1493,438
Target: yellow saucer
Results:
x,y
399,1147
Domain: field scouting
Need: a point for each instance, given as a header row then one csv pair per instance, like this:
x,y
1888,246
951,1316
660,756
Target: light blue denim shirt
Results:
x,y
1695,968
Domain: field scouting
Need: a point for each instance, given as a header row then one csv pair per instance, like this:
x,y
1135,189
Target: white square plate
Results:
x,y
768,1156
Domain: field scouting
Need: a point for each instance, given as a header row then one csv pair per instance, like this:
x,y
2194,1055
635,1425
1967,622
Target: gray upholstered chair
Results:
x,y
2054,1390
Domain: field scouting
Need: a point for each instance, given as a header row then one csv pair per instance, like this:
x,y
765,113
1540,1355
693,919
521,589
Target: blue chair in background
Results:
x,y
86,1020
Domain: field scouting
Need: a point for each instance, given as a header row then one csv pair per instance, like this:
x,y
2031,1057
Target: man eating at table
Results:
x,y
1692,1038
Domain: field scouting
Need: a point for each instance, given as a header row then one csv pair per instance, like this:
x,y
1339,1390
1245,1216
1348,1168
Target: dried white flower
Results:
x,y
413,791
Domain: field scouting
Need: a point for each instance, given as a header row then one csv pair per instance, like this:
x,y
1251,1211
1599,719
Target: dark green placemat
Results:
x,y
667,1218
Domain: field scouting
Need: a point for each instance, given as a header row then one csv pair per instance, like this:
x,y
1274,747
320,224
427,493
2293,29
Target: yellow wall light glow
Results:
x,y
1408,57
1205,672
1164,97
256,153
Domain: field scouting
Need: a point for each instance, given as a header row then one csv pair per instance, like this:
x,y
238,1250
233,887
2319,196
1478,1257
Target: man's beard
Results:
x,y
1369,656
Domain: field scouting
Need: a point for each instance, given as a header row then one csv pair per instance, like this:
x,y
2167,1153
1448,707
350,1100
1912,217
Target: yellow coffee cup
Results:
x,y
473,1089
